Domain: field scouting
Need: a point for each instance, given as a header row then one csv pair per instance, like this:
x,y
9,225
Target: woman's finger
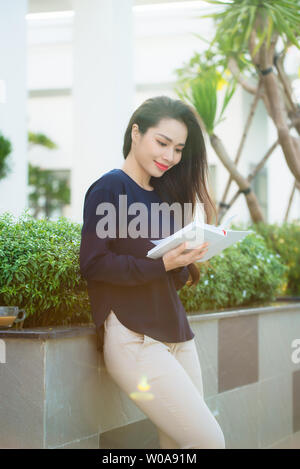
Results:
x,y
199,256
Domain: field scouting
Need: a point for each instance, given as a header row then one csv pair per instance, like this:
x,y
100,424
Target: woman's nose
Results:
x,y
169,155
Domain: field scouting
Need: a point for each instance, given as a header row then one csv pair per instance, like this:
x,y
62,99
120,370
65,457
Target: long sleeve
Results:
x,y
99,263
180,277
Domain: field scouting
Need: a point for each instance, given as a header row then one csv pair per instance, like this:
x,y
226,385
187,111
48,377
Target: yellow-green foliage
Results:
x,y
285,240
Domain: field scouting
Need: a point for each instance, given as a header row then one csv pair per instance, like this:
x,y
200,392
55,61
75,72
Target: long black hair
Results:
x,y
187,180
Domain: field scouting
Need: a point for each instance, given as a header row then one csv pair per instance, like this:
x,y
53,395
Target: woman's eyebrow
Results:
x,y
170,140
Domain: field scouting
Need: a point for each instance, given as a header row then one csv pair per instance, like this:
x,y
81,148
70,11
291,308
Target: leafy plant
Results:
x,y
251,41
244,274
50,191
39,270
240,17
40,139
198,83
284,240
5,150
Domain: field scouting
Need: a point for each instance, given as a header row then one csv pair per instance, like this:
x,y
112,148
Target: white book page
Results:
x,y
194,234
217,247
218,239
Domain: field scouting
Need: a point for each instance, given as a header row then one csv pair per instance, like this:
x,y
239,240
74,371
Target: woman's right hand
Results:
x,y
175,257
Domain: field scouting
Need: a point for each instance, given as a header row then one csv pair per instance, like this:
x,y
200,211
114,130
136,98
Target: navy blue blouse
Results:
x,y
119,276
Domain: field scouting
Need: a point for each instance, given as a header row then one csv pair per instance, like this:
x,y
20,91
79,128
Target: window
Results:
x,y
49,192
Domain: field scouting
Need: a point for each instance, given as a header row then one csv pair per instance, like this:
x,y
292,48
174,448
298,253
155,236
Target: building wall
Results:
x,y
163,41
13,103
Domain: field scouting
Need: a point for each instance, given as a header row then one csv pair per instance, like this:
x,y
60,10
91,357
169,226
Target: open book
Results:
x,y
196,233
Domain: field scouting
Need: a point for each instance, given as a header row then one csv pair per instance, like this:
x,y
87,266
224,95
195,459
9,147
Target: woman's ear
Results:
x,y
134,133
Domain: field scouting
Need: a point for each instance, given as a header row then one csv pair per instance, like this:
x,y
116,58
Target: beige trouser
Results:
x,y
164,380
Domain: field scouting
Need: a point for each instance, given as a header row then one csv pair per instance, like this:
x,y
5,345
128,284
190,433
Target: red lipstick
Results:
x,y
161,166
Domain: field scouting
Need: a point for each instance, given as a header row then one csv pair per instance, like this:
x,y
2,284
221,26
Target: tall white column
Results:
x,y
13,102
103,90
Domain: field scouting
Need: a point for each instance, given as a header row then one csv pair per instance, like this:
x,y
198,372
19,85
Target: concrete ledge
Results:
x,y
234,312
55,332
48,333
56,393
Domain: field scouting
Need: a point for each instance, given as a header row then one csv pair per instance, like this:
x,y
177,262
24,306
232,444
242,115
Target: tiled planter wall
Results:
x,y
56,393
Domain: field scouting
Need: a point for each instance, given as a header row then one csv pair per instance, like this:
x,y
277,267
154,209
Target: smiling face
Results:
x,y
160,148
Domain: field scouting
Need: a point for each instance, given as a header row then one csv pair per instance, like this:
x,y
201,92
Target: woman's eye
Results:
x,y
164,145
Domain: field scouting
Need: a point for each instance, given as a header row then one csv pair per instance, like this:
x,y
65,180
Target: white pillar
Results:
x,y
103,90
13,102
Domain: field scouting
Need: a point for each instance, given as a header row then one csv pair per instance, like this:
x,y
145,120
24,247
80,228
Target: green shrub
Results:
x,y
285,241
246,273
39,270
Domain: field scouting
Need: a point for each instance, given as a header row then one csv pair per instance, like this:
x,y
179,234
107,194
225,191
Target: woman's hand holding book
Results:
x,y
175,257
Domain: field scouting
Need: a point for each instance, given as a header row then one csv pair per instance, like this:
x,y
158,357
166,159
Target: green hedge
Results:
x,y
247,273
284,240
39,271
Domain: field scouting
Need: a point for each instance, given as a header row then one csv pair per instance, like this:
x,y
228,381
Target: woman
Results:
x,y
149,348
